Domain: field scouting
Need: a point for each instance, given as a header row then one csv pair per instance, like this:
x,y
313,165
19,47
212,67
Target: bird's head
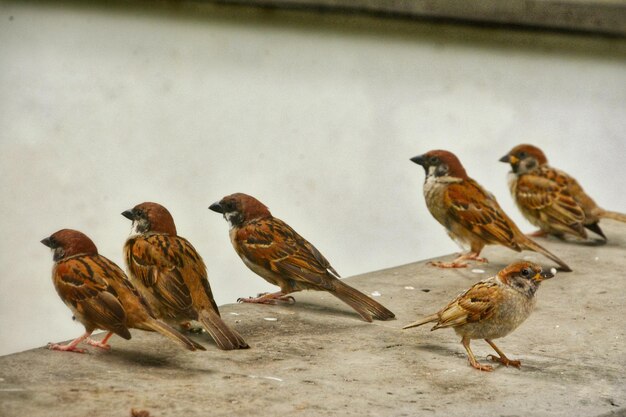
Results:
x,y
150,217
67,243
524,277
441,163
524,158
239,208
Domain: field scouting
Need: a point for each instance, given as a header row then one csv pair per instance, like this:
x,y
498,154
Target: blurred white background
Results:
x,y
317,116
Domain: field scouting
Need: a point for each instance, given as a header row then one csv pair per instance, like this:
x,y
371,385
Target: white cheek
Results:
x,y
133,229
431,170
229,217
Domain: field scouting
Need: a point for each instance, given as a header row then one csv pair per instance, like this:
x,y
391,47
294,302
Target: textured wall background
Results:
x,y
316,115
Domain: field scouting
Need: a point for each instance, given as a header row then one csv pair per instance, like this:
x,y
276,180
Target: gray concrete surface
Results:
x,y
602,16
317,358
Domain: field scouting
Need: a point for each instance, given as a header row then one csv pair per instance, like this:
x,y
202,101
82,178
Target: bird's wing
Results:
x,y
162,262
546,191
477,211
477,303
82,282
275,246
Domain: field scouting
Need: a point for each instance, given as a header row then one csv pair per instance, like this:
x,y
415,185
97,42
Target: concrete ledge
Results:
x,y
318,358
601,16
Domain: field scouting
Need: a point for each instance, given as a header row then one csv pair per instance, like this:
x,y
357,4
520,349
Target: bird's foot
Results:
x,y
453,264
504,361
101,345
481,367
471,257
269,298
65,348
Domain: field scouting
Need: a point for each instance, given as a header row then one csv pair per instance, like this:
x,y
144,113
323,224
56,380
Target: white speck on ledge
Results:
x,y
478,271
409,288
553,271
234,314
596,258
270,318
272,378
376,294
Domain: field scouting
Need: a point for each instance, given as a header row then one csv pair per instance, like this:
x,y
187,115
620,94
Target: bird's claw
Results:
x,y
65,348
504,361
440,264
95,343
266,298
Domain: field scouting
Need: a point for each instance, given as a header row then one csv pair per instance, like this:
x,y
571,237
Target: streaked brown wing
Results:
x,y
81,282
160,262
479,212
546,192
477,303
274,245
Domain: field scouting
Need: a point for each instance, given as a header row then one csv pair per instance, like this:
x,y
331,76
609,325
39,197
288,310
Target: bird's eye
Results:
x,y
522,155
434,160
525,272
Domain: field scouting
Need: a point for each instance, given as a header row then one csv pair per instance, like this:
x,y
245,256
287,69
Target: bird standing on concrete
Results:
x,y
99,294
277,253
171,274
491,309
550,199
471,215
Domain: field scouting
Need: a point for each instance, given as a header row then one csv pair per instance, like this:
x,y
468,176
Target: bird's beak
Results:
x,y
419,160
47,242
128,214
216,207
540,276
506,159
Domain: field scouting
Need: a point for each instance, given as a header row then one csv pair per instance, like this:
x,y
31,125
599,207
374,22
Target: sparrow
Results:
x,y
551,199
99,294
277,253
471,214
172,276
490,309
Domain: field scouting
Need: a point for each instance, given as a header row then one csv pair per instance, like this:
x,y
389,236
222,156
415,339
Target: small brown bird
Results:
x,y
276,252
491,309
550,199
170,273
99,294
471,215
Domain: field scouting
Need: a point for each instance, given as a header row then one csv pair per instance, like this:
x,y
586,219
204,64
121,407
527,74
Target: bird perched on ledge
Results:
x,y
471,215
550,199
99,294
276,252
171,274
491,309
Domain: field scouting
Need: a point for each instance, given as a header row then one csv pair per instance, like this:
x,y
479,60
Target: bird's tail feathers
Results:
x,y
422,321
171,333
225,337
613,215
364,305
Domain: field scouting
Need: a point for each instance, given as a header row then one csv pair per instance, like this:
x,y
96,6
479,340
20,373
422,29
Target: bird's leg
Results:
x,y
472,359
268,298
459,261
103,344
502,357
70,347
